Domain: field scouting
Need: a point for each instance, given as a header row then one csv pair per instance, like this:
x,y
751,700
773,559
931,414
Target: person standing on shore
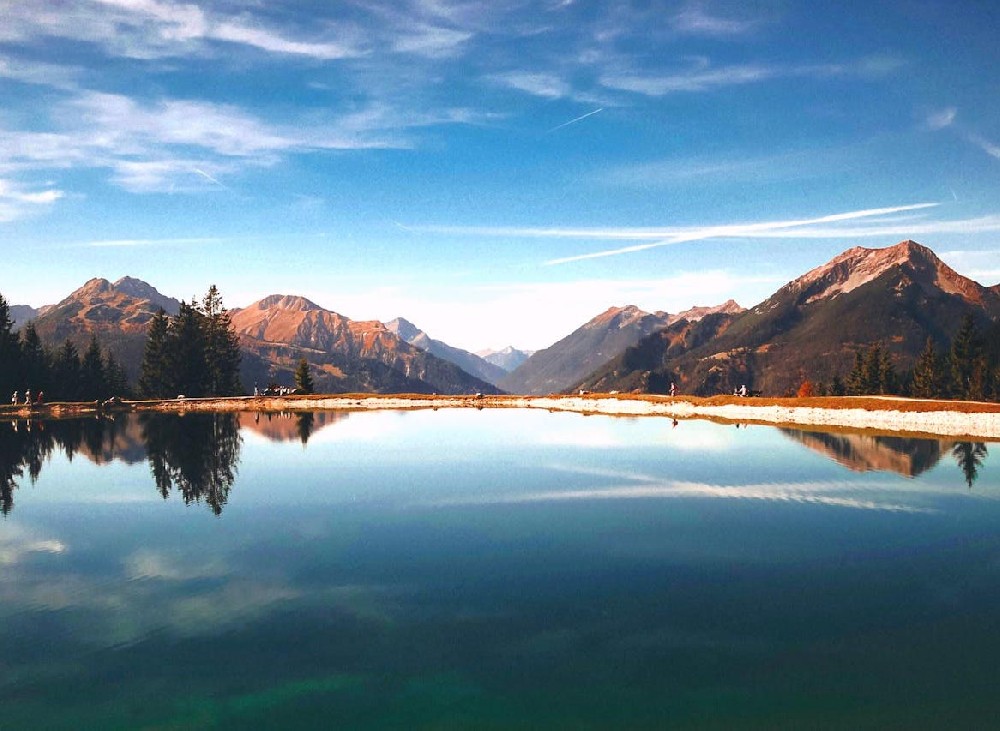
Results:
x,y
13,399
27,397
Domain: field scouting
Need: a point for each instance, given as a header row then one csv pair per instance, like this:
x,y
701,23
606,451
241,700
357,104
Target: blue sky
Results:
x,y
496,172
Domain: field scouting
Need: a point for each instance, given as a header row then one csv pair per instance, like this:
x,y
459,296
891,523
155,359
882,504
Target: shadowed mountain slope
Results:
x,y
812,327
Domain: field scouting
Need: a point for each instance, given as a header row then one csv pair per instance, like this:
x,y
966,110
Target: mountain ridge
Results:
x,y
469,362
812,327
347,355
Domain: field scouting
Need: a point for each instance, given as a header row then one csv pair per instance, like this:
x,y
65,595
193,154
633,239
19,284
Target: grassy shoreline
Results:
x,y
889,415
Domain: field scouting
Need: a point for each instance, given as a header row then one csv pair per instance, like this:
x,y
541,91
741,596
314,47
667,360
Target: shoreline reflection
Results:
x,y
197,455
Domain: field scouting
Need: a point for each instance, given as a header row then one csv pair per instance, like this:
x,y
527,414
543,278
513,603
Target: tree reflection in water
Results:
x,y
196,454
969,456
304,425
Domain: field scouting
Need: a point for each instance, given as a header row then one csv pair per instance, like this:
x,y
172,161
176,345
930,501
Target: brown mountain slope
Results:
x,y
118,313
347,355
812,327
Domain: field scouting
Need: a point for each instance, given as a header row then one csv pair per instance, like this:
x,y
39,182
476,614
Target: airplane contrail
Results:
x,y
748,230
205,175
574,121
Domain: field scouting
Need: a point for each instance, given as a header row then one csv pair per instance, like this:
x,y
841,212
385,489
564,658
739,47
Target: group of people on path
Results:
x,y
15,399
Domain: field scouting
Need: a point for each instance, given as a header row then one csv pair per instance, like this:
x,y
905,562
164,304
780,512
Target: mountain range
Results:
x,y
507,358
346,355
811,328
469,362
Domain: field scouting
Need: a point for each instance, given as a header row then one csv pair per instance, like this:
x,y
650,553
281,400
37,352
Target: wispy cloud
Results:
x,y
154,28
695,20
941,118
946,118
990,148
16,202
129,243
810,163
546,85
701,76
161,145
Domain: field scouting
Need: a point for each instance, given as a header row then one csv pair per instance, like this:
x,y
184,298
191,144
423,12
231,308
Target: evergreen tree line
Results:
x,y
61,374
968,369
194,353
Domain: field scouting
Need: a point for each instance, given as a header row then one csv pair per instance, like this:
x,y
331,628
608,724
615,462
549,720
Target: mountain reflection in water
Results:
x,y
906,456
197,455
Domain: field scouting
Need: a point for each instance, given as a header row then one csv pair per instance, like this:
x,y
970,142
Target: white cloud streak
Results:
x,y
792,228
16,202
829,494
129,243
694,20
701,77
750,230
164,28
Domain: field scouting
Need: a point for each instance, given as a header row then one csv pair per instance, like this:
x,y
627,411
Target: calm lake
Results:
x,y
493,569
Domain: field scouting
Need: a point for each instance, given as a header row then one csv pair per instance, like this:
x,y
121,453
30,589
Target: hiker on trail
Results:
x,y
27,397
13,399
673,388
743,390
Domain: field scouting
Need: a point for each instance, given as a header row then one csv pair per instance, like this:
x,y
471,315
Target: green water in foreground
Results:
x,y
495,569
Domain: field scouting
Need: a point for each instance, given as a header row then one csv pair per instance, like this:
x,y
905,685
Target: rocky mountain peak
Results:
x,y
292,303
91,288
404,329
619,317
859,265
144,291
729,307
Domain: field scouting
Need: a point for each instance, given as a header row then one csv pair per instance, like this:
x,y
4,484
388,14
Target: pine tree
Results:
x,y
154,380
837,387
185,351
303,377
66,373
965,349
10,352
115,377
888,382
92,385
871,378
855,385
222,347
926,374
35,368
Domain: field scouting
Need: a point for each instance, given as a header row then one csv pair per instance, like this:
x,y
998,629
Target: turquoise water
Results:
x,y
492,569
